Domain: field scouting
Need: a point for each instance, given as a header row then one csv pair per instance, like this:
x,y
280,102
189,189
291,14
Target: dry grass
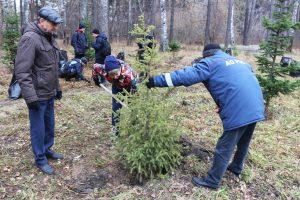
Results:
x,y
91,169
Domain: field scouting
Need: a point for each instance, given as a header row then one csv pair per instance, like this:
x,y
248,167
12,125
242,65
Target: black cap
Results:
x,y
96,31
50,15
210,49
81,26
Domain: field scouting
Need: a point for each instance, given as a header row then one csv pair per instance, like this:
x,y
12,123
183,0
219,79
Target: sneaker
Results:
x,y
200,182
47,169
55,156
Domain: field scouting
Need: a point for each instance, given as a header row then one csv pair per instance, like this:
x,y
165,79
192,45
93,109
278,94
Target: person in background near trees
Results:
x,y
74,69
102,49
79,41
36,70
236,91
121,76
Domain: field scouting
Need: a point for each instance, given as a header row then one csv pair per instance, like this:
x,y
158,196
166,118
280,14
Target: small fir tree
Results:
x,y
11,36
273,77
149,132
174,47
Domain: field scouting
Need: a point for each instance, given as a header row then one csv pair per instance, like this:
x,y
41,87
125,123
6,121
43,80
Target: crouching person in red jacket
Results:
x,y
121,76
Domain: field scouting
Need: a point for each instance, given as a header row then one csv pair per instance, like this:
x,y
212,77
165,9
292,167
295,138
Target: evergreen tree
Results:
x,y
174,47
273,77
149,132
10,37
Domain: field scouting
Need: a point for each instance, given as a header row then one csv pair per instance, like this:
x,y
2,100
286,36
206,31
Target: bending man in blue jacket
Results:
x,y
236,91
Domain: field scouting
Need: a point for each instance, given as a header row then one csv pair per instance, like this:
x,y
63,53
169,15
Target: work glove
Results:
x,y
150,83
97,82
34,105
58,95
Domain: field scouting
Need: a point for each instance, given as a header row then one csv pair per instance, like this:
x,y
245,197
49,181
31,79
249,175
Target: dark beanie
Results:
x,y
96,31
81,26
210,49
111,63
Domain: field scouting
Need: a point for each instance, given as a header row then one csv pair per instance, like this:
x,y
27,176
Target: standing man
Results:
x,y
102,49
236,91
79,42
36,70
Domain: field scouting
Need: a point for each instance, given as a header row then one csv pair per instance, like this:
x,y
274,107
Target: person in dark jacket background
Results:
x,y
79,42
99,45
36,70
74,69
236,91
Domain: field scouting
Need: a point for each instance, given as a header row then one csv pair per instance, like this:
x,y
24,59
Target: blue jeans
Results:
x,y
239,137
42,130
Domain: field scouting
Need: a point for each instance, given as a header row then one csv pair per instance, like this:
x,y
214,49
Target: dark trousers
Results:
x,y
115,117
42,130
79,55
239,137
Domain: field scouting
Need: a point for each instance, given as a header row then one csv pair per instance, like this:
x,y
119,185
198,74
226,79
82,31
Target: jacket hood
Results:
x,y
103,35
33,27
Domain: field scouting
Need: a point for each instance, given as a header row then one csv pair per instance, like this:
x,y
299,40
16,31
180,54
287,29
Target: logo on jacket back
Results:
x,y
233,61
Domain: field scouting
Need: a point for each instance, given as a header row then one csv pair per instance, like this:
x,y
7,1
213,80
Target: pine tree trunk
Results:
x,y
164,34
229,24
208,23
129,24
1,21
83,9
294,20
103,15
250,9
171,35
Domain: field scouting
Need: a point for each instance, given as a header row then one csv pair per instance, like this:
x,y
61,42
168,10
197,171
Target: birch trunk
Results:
x,y
163,34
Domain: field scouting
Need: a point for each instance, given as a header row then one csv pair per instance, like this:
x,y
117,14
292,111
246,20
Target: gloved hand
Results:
x,y
34,105
97,82
58,95
150,83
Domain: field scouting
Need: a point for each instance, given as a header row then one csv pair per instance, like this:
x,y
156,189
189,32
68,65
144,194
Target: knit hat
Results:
x,y
111,63
81,26
96,31
210,49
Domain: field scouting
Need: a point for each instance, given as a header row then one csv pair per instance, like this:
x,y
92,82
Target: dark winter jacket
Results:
x,y
231,83
74,69
79,42
98,45
36,66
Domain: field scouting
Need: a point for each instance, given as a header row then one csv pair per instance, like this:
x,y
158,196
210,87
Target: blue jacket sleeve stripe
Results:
x,y
169,80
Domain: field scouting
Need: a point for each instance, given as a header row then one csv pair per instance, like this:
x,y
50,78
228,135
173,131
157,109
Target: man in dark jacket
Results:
x,y
236,91
36,70
79,42
100,49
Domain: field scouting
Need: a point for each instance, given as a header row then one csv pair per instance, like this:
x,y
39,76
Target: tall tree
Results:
x,y
129,38
271,8
104,16
95,13
294,20
1,21
171,35
249,15
163,34
229,30
83,9
207,39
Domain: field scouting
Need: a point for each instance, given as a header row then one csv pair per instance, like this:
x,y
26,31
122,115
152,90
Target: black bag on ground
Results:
x,y
14,90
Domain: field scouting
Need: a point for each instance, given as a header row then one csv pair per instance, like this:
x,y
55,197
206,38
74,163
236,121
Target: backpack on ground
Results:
x,y
106,48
